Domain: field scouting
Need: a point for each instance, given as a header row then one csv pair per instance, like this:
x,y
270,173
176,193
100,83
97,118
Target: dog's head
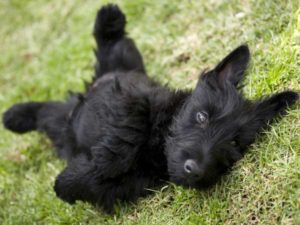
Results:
x,y
216,123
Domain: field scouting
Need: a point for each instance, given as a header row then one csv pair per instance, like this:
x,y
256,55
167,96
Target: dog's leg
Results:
x,y
82,180
41,116
115,51
22,118
48,117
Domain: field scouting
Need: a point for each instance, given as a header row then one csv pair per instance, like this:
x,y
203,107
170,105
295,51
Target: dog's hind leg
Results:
x,y
30,116
115,51
48,117
22,118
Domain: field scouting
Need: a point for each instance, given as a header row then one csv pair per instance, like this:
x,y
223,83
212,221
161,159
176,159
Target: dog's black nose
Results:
x,y
191,168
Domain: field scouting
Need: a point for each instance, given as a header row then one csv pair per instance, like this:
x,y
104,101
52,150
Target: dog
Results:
x,y
127,133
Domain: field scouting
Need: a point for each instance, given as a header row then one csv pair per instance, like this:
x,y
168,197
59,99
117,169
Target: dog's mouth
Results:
x,y
199,181
198,184
187,181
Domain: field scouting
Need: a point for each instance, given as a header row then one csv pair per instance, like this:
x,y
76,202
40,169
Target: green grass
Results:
x,y
46,49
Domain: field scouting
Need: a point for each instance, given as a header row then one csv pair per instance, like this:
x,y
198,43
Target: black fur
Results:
x,y
127,133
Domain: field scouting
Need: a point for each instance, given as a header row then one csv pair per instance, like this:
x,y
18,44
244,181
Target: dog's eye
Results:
x,y
202,118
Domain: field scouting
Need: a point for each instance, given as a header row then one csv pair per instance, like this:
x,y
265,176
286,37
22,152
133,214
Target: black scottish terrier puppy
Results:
x,y
126,133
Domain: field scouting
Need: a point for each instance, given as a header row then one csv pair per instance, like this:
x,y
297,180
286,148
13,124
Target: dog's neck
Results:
x,y
164,105
163,108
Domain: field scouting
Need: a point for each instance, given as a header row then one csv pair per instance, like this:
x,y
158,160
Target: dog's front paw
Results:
x,y
63,192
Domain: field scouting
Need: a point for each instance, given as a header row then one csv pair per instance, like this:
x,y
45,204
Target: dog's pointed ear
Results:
x,y
262,113
275,105
233,66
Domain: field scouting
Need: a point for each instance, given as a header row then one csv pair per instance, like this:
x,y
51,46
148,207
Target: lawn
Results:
x,y
46,50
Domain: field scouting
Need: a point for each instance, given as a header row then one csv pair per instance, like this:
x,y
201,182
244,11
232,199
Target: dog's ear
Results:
x,y
277,104
233,66
264,111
